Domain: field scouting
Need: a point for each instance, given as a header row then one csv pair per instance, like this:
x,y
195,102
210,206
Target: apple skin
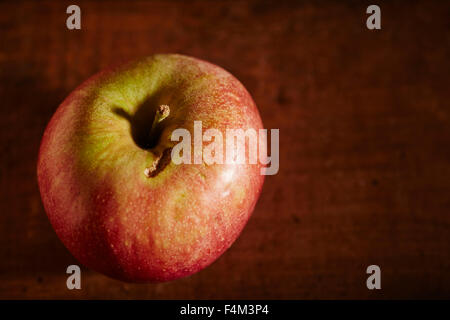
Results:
x,y
107,212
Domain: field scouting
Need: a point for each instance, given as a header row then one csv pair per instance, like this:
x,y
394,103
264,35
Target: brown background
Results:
x,y
364,122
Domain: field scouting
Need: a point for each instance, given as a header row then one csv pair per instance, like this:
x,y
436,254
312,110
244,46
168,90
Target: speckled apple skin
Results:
x,y
106,211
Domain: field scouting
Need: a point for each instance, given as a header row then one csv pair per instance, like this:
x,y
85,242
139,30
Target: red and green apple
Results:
x,y
111,193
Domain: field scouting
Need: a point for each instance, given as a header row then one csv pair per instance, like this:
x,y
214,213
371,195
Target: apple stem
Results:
x,y
151,170
162,112
159,163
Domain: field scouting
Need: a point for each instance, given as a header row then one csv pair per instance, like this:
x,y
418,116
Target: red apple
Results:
x,y
113,196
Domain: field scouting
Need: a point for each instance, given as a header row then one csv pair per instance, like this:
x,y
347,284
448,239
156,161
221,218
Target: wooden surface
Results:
x,y
364,127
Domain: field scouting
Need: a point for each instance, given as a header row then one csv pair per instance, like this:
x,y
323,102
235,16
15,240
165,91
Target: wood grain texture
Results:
x,y
364,121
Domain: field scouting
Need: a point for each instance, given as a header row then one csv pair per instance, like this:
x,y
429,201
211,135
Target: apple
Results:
x,y
109,187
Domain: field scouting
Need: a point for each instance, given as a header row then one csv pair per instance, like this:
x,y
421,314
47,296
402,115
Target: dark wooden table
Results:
x,y
364,119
